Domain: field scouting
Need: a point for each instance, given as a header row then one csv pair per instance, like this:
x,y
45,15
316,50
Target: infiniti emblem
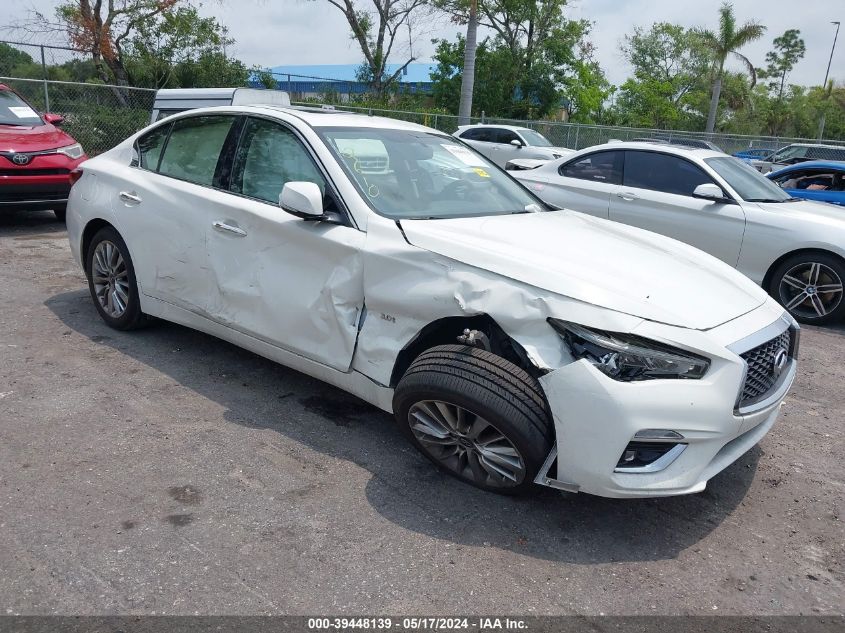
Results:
x,y
20,159
779,362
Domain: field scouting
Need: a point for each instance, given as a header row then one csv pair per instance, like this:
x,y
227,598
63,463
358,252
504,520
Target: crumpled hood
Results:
x,y
603,263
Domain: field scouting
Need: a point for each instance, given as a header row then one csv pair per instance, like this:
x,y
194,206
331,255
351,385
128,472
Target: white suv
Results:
x,y
513,343
502,143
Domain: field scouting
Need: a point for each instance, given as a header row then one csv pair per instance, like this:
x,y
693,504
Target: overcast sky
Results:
x,y
282,32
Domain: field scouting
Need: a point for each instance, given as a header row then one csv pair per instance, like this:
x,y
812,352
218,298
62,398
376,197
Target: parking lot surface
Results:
x,y
164,471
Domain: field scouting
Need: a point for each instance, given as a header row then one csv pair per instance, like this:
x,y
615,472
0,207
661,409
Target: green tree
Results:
x,y
180,48
102,29
585,90
12,59
788,50
378,26
493,92
539,53
669,65
727,41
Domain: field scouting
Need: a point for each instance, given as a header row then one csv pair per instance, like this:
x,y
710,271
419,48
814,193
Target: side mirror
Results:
x,y
54,119
516,143
709,191
302,199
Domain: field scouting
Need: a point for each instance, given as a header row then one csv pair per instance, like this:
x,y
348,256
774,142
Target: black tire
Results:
x,y
485,386
817,308
60,213
131,318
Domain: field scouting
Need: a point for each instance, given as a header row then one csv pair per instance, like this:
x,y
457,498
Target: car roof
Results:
x,y
813,164
316,116
515,128
664,148
816,145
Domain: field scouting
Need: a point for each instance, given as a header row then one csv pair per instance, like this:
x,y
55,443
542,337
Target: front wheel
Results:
x,y
475,415
810,286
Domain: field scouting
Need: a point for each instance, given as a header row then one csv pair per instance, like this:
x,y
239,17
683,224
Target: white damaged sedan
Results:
x,y
515,344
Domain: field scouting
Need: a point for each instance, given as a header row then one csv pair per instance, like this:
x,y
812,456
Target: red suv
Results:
x,y
36,157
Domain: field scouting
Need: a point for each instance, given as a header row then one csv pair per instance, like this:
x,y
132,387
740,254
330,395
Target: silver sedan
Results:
x,y
794,248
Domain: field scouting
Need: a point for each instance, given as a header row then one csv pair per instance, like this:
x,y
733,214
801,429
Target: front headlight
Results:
x,y
71,151
626,357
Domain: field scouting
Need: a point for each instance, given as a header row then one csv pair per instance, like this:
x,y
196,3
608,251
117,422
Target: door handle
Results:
x,y
228,228
130,198
627,195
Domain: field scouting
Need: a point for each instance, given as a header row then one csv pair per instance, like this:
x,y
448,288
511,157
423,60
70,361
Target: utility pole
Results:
x,y
824,86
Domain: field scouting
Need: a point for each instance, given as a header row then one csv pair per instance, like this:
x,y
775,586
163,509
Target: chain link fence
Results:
x,y
98,116
59,80
578,135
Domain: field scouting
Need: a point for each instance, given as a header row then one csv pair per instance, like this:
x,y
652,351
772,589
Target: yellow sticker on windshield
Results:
x,y
481,172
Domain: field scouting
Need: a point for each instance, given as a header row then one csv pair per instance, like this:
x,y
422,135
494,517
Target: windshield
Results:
x,y
16,111
407,174
749,183
535,138
790,151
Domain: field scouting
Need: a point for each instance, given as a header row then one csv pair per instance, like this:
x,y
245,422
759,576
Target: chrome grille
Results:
x,y
760,378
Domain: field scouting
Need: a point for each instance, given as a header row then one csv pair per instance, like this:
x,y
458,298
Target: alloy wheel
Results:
x,y
811,290
466,444
110,278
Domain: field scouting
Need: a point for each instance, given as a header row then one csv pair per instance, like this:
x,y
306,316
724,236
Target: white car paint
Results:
x,y
751,236
501,153
340,302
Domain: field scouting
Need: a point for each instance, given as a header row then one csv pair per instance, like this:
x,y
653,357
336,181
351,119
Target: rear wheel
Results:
x,y
475,415
810,286
111,281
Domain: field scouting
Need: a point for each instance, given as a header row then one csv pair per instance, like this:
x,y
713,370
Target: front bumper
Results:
x,y
44,183
596,417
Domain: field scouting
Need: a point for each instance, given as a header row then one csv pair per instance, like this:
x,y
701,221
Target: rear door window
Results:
x,y
826,153
479,134
193,149
603,167
662,172
506,136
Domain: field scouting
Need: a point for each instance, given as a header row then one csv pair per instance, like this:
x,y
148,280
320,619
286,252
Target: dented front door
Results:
x,y
285,281
293,283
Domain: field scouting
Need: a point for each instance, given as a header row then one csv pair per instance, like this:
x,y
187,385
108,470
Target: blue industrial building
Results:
x,y
304,81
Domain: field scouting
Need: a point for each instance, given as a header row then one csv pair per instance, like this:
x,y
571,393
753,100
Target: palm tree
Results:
x,y
468,74
726,42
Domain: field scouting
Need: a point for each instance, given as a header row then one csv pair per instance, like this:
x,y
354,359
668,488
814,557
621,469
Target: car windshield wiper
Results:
x,y
770,199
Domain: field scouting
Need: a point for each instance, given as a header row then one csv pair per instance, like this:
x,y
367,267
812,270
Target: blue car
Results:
x,y
754,153
821,180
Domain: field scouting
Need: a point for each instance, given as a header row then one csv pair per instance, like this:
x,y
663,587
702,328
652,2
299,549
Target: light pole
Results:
x,y
824,86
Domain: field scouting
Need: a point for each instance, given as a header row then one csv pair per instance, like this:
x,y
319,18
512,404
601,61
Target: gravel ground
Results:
x,y
164,471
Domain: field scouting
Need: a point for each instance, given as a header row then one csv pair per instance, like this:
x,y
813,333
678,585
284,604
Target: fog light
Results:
x,y
648,457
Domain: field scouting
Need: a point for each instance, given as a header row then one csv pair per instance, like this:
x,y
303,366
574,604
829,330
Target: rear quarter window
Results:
x,y
148,148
